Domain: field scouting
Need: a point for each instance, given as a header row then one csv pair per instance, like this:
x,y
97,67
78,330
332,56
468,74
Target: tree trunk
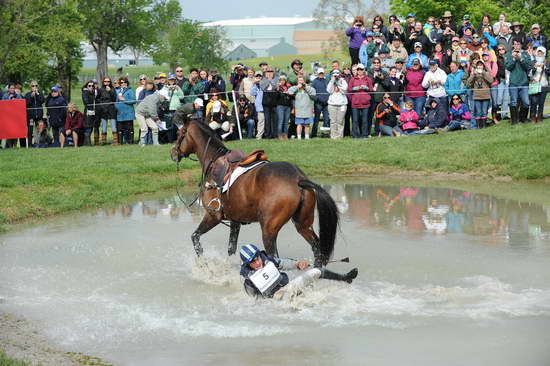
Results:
x,y
137,55
101,52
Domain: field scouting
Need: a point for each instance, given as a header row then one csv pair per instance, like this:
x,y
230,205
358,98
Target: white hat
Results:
x,y
199,101
360,66
216,107
163,93
320,70
541,49
417,44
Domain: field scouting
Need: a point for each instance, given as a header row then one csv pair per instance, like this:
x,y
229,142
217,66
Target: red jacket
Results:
x,y
413,88
360,98
74,121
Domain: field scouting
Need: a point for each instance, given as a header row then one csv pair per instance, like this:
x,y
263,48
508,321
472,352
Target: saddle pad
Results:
x,y
240,170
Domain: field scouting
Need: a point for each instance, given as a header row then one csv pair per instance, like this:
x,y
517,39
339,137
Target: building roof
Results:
x,y
260,21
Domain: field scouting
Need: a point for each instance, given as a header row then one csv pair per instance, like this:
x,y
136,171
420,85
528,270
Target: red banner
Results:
x,y
13,119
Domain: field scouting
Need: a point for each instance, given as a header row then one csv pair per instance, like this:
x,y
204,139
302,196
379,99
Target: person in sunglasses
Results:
x,y
89,95
35,112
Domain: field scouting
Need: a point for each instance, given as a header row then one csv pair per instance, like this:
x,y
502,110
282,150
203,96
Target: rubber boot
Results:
x,y
539,116
103,138
348,277
87,140
496,115
96,137
155,138
115,139
513,115
523,114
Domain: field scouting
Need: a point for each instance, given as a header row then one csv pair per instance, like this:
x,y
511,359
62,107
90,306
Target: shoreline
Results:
x,y
22,339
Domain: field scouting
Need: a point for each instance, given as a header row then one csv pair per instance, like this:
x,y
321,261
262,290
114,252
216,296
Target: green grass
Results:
x,y
6,361
45,182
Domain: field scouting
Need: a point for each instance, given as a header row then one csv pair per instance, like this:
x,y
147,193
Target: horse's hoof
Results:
x,y
231,251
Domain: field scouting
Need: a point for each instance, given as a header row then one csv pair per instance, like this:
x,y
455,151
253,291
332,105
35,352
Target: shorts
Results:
x,y
304,121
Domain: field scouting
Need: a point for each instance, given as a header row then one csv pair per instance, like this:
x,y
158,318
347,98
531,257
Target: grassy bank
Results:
x,y
45,182
6,361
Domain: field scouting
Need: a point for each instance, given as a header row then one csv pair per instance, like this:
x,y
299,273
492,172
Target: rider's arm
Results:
x,y
250,289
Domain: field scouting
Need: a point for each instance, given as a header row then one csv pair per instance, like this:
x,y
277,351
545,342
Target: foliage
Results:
x,y
6,361
192,45
39,39
526,11
117,24
44,182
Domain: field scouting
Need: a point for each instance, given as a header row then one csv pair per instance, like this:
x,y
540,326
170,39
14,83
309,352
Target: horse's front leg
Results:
x,y
233,237
207,223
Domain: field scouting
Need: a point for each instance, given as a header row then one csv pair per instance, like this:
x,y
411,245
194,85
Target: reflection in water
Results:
x,y
441,211
416,211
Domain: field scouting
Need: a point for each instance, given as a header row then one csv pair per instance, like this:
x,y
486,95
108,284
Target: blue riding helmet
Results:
x,y
248,253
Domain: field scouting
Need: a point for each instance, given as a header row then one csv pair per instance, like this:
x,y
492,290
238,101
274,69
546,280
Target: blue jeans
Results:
x,y
537,103
418,103
360,122
386,130
250,129
319,108
480,108
470,101
283,116
104,125
517,93
458,124
503,98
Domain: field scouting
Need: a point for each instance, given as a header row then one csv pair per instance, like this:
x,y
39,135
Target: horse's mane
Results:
x,y
210,133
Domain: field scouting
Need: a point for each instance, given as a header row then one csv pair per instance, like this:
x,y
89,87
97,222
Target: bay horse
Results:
x,y
271,193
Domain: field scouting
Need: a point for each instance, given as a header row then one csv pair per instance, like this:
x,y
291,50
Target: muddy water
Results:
x,y
447,277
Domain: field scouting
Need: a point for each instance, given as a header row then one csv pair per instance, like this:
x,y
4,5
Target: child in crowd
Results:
x,y
305,96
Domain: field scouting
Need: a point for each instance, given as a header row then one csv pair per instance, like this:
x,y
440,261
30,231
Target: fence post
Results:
x,y
235,101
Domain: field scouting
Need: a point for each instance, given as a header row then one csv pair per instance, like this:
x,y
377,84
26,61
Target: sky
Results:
x,y
211,10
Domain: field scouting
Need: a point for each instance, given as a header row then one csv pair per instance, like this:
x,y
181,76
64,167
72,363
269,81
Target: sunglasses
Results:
x,y
179,70
360,68
90,85
142,79
386,97
34,85
123,82
106,81
456,98
463,43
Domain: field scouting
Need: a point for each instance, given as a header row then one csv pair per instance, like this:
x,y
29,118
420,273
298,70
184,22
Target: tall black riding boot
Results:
x,y
523,114
348,277
513,115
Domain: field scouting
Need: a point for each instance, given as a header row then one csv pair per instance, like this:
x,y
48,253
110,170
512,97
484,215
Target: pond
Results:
x,y
446,276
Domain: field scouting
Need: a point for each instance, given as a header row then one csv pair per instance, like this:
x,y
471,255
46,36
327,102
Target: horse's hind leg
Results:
x,y
207,223
233,237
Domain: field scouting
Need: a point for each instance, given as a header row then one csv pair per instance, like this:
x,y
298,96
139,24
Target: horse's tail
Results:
x,y
328,218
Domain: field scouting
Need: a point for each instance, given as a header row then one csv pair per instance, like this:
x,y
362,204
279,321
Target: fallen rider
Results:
x,y
262,276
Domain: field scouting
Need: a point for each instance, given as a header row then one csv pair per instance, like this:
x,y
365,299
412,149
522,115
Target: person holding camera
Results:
x,y
538,84
480,80
417,37
258,94
356,34
215,81
303,106
237,75
519,64
297,70
126,98
337,103
386,115
284,105
246,114
192,88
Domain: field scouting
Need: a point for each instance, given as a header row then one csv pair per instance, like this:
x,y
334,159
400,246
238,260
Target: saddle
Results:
x,y
225,165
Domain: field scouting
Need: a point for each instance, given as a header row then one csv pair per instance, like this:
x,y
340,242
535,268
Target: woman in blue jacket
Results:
x,y
126,98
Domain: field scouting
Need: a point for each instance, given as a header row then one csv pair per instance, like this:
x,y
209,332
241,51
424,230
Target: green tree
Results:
x,y
39,39
117,24
192,45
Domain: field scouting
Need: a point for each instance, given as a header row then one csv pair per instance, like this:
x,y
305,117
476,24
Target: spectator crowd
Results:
x,y
405,78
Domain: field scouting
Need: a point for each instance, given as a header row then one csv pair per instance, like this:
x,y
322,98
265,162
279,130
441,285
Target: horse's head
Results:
x,y
184,145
